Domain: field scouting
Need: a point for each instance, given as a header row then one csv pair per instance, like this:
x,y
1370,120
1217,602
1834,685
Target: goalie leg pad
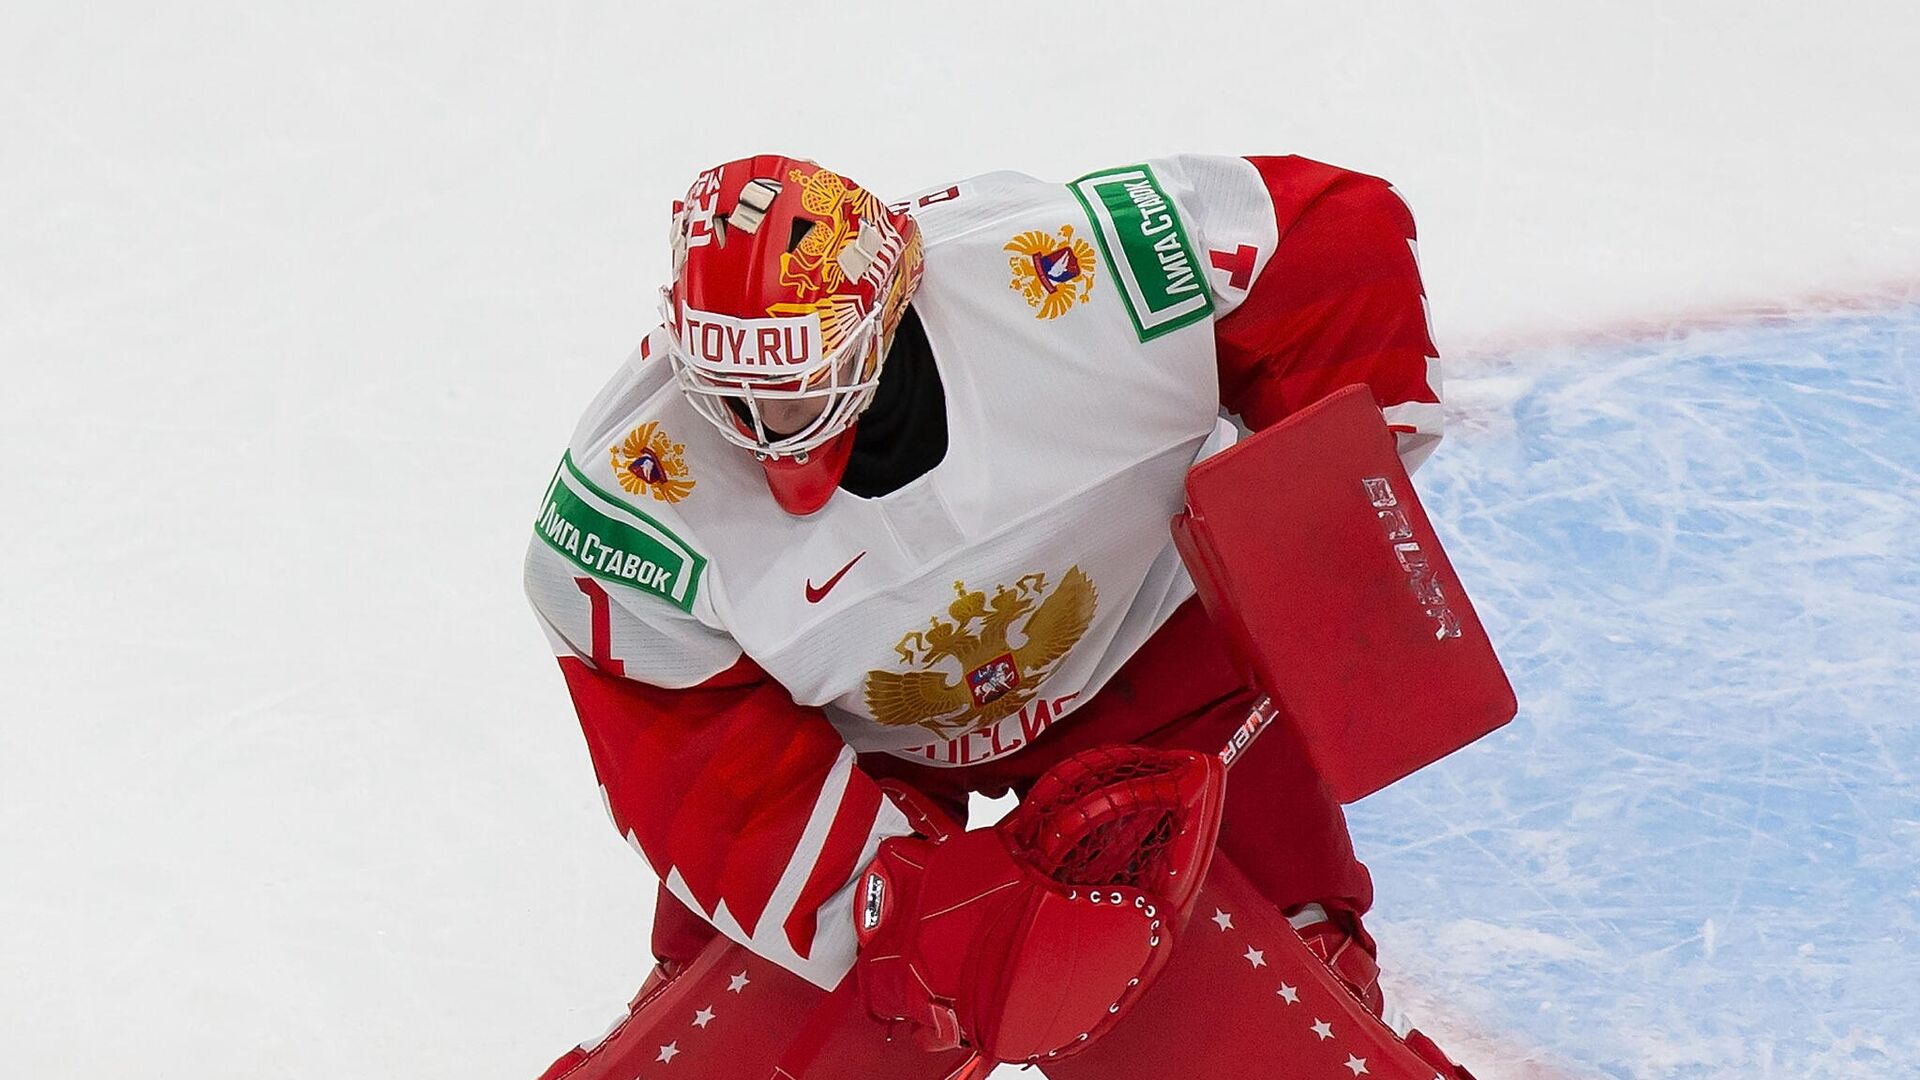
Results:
x,y
731,1015
1245,996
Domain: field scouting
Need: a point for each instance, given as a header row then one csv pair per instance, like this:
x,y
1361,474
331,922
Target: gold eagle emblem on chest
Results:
x,y
967,673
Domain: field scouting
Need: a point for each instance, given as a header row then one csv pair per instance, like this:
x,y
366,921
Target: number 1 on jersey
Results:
x,y
602,606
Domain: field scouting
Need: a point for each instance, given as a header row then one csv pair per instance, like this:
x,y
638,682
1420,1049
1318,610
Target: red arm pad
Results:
x,y
1311,551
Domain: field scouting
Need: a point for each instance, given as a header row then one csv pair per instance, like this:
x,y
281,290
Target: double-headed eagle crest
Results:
x,y
995,678
1052,272
647,462
813,266
813,269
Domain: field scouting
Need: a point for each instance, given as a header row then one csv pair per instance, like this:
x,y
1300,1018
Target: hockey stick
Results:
x,y
1256,722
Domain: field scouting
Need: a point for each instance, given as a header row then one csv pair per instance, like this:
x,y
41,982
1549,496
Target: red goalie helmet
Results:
x,y
788,283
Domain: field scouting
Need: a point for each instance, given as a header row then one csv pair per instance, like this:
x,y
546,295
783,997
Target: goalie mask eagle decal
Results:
x,y
969,674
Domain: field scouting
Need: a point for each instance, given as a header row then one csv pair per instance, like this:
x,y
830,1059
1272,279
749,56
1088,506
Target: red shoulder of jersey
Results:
x,y
1339,302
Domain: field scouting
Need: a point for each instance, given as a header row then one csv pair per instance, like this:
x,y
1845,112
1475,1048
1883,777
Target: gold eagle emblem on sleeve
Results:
x,y
647,462
1052,272
967,673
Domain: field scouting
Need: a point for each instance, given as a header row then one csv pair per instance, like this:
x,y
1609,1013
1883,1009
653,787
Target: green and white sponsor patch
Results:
x,y
1146,244
605,537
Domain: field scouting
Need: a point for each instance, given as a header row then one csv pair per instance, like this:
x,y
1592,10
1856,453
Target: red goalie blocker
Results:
x,y
1311,552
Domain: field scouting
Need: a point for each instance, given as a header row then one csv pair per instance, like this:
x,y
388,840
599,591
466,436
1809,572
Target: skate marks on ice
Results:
x,y
1696,852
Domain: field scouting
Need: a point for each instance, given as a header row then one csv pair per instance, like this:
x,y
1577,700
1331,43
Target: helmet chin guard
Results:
x,y
803,483
789,282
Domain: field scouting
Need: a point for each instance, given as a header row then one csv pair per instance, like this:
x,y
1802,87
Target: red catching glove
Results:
x,y
1028,940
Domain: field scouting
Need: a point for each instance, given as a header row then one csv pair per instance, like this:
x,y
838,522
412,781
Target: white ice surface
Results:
x,y
298,301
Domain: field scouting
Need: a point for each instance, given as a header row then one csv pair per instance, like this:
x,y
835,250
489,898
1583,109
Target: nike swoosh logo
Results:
x,y
814,595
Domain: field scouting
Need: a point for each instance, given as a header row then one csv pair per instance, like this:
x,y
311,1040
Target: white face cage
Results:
x,y
845,379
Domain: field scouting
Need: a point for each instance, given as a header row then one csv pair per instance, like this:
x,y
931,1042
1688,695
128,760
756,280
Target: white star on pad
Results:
x,y
1223,920
738,983
1357,1064
704,1017
667,1051
1290,994
1322,1029
1256,957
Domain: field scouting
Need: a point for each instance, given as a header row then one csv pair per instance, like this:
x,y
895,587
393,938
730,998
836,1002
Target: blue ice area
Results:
x,y
1696,852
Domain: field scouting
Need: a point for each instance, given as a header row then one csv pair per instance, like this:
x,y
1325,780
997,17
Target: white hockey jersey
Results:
x,y
954,620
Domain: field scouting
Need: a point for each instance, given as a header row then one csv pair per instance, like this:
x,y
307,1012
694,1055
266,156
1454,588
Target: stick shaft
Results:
x,y
1256,722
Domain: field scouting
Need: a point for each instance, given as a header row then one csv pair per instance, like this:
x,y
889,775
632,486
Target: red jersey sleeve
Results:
x,y
748,806
1339,302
